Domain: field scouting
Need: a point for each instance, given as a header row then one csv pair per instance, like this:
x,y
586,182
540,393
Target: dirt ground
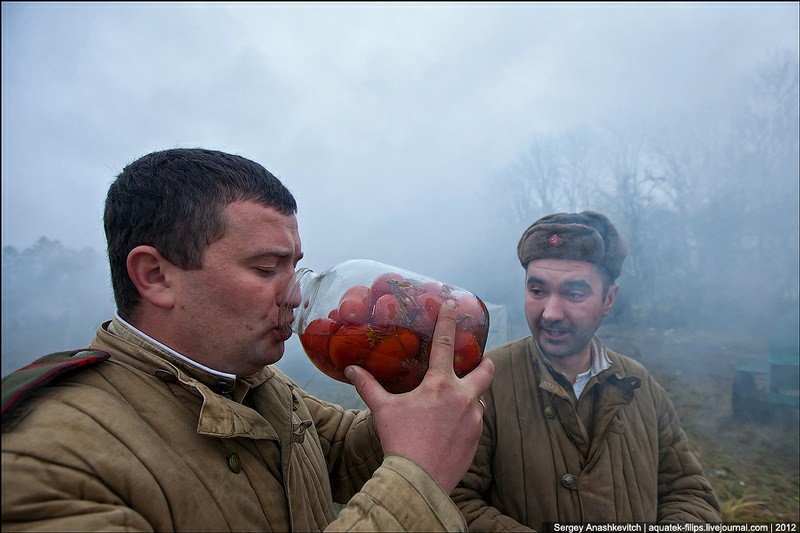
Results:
x,y
754,466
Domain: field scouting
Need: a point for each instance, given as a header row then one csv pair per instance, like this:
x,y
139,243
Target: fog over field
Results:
x,y
424,135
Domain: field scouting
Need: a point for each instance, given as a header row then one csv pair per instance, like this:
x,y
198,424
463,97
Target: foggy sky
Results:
x,y
389,122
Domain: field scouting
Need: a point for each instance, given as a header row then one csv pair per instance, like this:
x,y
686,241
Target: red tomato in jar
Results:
x,y
391,311
407,380
334,315
384,366
387,284
316,340
349,346
467,353
429,304
393,353
470,313
434,287
354,305
481,334
395,363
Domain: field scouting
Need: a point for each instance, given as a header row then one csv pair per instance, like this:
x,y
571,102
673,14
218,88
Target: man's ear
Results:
x,y
611,297
149,271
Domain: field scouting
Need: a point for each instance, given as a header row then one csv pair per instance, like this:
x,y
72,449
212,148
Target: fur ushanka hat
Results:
x,y
586,236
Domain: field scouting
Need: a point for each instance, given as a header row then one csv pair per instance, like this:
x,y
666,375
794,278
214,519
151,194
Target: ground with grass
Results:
x,y
754,465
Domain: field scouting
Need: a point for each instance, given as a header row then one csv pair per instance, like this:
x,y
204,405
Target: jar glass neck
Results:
x,y
293,297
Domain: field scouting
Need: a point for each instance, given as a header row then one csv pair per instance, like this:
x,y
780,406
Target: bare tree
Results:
x,y
535,178
556,173
711,215
581,173
756,196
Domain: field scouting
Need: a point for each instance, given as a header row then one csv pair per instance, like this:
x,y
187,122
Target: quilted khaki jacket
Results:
x,y
618,454
146,442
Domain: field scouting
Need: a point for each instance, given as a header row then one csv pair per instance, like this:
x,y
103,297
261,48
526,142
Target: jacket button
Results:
x,y
549,412
569,481
235,463
166,376
223,387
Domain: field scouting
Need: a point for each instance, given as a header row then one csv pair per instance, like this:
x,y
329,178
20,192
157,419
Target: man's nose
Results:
x,y
553,309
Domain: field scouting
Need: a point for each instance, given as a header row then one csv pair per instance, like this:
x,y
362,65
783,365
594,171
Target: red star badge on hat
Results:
x,y
554,240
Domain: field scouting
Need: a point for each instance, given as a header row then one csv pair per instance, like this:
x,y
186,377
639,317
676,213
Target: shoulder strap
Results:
x,y
18,385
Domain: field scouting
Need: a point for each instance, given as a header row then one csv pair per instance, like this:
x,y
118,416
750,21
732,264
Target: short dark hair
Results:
x,y
173,200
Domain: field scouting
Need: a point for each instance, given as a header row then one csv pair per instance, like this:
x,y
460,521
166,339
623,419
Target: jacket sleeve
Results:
x,y
684,493
349,442
43,498
469,494
401,496
385,493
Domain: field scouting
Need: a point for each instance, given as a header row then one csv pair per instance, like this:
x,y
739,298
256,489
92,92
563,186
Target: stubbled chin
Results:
x,y
276,352
285,335
553,347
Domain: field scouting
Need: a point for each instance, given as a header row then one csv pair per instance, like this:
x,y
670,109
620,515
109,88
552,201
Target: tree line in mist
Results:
x,y
709,208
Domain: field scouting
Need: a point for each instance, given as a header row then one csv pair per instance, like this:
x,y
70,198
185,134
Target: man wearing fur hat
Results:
x,y
574,432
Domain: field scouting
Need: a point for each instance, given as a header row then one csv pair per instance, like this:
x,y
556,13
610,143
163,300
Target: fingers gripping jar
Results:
x,y
381,318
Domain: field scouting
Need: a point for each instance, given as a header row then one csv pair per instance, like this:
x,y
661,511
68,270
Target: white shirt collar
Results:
x,y
600,361
148,338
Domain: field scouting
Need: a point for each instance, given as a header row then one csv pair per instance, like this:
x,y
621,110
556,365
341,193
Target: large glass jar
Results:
x,y
380,317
